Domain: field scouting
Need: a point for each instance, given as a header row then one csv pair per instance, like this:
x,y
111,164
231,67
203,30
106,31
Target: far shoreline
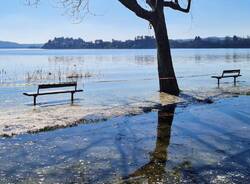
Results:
x,y
124,48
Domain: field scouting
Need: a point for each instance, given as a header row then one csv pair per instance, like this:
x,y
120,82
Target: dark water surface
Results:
x,y
195,144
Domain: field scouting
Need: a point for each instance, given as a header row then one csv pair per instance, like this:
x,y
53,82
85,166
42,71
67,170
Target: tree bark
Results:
x,y
167,78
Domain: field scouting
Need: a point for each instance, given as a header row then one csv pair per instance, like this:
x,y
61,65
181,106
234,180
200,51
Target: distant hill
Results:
x,y
14,45
148,42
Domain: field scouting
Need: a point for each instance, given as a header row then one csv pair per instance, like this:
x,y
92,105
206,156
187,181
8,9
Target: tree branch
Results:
x,y
176,6
137,9
156,5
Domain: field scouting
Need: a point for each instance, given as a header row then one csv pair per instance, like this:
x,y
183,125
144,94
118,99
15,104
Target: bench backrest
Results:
x,y
57,85
230,72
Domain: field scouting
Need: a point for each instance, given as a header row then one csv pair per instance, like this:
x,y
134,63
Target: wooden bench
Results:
x,y
58,85
227,74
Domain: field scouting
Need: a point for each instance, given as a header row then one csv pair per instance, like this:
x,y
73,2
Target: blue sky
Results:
x,y
25,24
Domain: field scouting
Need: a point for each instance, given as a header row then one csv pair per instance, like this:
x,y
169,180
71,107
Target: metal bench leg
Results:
x,y
35,100
218,82
72,97
235,81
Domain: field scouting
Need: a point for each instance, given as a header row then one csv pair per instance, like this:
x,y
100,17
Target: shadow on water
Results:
x,y
154,170
172,145
55,103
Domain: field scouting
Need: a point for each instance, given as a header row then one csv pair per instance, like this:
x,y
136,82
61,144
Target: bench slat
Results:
x,y
226,76
52,92
228,73
59,85
217,77
231,71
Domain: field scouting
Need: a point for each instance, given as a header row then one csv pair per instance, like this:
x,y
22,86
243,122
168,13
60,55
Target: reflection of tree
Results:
x,y
154,170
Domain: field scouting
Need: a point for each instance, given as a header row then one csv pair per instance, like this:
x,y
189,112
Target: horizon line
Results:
x,y
203,37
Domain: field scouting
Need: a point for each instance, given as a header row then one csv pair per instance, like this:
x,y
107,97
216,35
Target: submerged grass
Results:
x,y
43,75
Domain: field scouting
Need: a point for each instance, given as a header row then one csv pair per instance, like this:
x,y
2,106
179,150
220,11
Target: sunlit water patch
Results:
x,y
198,144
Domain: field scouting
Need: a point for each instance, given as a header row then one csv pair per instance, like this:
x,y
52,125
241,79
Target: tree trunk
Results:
x,y
167,79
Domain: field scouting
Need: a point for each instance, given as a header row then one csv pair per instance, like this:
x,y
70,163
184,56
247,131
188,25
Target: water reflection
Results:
x,y
154,170
228,57
145,60
67,60
203,149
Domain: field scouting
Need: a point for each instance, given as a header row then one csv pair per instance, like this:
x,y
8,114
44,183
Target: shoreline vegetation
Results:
x,y
139,42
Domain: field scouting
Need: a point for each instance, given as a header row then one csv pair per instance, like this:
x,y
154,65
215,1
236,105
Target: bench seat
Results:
x,y
52,92
227,76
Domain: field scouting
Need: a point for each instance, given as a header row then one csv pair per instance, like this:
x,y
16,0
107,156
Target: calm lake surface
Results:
x,y
110,76
198,143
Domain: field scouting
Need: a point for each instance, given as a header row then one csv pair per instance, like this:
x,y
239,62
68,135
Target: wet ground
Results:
x,y
115,83
198,143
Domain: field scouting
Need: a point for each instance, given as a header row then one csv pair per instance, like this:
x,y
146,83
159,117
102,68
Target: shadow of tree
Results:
x,y
154,170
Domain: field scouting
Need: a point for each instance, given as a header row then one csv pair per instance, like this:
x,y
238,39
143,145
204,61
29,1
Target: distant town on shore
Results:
x,y
140,42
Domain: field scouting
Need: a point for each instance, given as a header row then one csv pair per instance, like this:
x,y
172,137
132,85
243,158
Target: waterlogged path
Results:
x,y
201,143
50,116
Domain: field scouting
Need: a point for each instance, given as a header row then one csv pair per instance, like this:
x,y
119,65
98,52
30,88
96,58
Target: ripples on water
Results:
x,y
121,74
174,145
188,147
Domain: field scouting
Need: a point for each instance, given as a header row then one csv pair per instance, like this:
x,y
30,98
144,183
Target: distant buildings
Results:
x,y
70,43
148,42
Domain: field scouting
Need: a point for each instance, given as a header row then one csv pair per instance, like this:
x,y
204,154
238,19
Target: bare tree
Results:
x,y
156,18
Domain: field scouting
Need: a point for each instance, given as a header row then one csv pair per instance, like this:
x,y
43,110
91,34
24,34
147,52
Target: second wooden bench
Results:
x,y
227,74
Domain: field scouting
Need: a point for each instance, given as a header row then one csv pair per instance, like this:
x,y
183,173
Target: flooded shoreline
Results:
x,y
121,129
175,144
50,116
60,114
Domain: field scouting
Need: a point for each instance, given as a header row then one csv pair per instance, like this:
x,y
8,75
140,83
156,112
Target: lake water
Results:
x,y
197,144
115,141
111,76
